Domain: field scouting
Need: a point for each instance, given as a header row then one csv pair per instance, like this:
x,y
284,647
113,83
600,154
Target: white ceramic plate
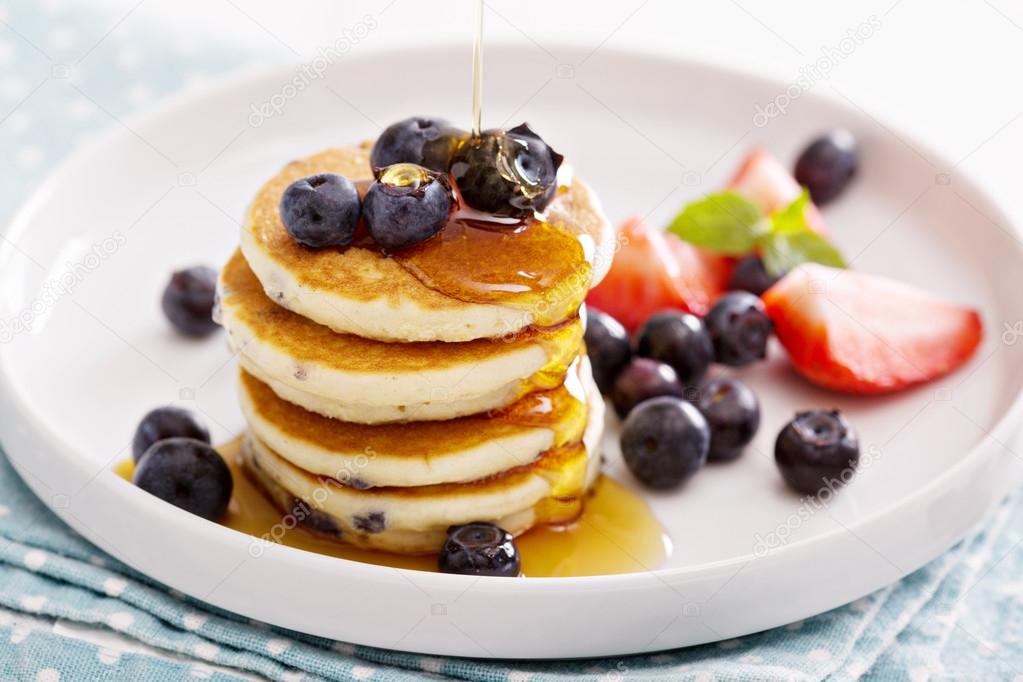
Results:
x,y
648,132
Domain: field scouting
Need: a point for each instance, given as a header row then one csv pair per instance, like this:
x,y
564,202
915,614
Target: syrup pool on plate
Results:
x,y
615,533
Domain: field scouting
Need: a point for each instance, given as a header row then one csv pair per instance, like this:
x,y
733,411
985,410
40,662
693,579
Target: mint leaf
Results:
x,y
729,224
725,223
791,242
792,218
784,250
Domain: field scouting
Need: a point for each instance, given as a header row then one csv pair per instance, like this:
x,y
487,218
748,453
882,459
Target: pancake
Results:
x,y
361,380
415,520
418,453
463,284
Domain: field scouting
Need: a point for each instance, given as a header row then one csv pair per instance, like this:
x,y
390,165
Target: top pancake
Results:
x,y
359,290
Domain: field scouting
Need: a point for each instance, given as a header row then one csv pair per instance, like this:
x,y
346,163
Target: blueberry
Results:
x,y
188,300
511,173
189,474
677,339
607,344
373,522
665,441
739,328
314,519
479,549
733,413
817,450
641,380
426,141
827,165
750,275
166,422
406,205
321,210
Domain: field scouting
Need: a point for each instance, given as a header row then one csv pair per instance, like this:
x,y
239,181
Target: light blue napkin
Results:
x,y
961,616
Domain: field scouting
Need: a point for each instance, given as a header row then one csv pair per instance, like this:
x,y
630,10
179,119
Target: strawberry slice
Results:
x,y
769,185
860,333
655,270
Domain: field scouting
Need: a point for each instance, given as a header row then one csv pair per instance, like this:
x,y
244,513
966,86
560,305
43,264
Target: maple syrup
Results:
x,y
530,264
616,532
477,70
534,266
553,408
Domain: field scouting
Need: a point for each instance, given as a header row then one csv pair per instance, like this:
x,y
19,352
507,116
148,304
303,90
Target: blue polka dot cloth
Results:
x,y
960,617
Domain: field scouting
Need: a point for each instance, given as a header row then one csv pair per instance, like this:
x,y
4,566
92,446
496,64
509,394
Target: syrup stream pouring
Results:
x,y
477,70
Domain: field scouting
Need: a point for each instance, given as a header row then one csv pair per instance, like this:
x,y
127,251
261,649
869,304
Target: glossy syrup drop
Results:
x,y
562,344
615,533
555,408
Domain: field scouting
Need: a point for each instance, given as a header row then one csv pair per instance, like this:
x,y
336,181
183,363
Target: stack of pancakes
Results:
x,y
382,410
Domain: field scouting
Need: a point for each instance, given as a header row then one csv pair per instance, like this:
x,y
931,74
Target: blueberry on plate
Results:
x,y
167,422
480,549
321,210
188,300
188,473
750,275
739,328
607,344
426,141
406,205
827,164
733,414
665,441
817,450
677,339
506,173
641,380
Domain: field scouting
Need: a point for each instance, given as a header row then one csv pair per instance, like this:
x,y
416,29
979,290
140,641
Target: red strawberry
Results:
x,y
654,270
769,185
860,333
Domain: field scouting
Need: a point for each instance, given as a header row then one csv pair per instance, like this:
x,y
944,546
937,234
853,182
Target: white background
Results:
x,y
950,67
